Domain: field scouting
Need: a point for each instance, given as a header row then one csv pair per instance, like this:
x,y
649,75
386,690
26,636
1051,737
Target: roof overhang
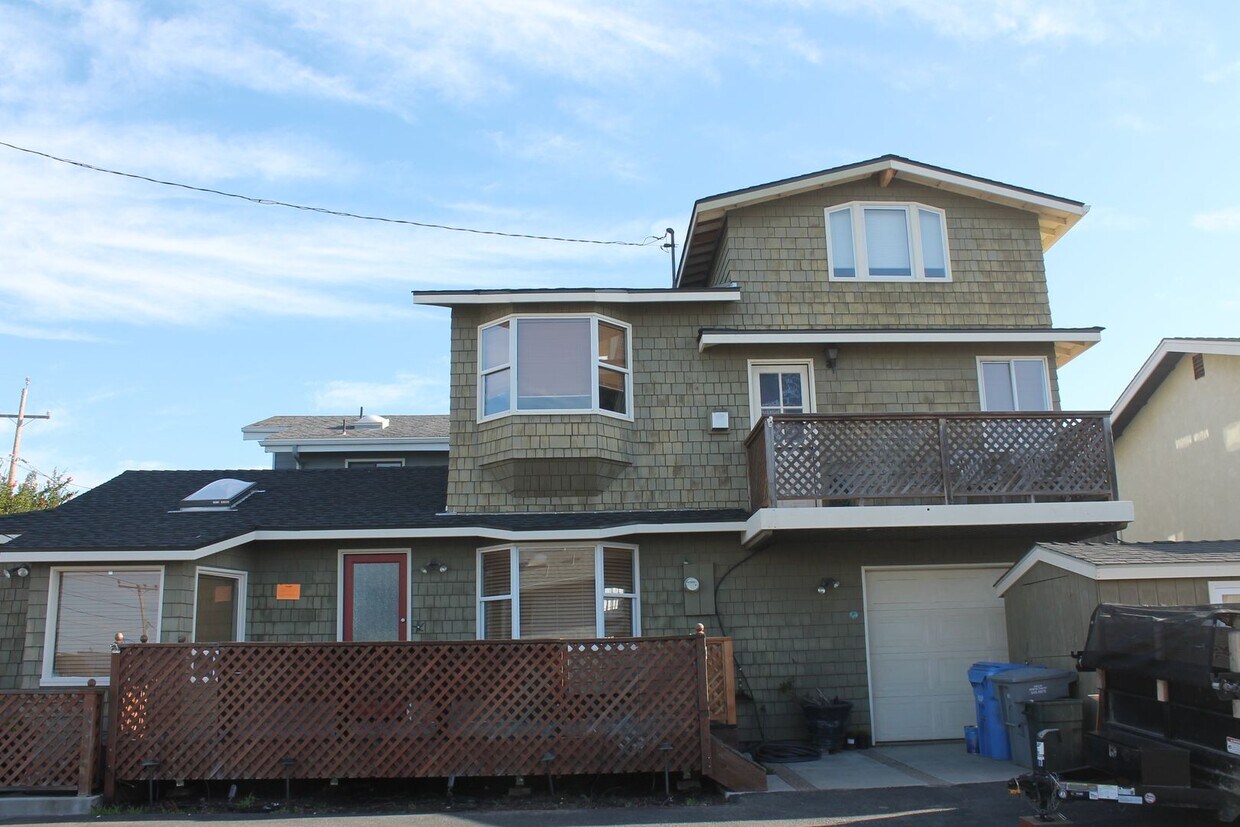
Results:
x,y
1069,343
1055,215
311,445
660,295
1111,571
1156,368
767,521
502,535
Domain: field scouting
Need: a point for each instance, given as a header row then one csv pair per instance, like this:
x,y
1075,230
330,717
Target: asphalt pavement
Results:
x,y
983,804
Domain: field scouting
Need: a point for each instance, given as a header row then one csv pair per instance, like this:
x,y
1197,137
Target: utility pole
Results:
x,y
670,246
21,417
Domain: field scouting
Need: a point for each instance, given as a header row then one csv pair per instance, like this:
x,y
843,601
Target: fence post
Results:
x,y
114,718
89,749
699,648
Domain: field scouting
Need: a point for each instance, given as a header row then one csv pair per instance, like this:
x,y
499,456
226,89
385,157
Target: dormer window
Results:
x,y
554,364
884,241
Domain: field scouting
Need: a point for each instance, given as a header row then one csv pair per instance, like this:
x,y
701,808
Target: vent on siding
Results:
x,y
1199,366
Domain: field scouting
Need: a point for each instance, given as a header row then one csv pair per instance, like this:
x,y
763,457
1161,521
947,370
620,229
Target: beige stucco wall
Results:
x,y
777,252
1179,458
675,460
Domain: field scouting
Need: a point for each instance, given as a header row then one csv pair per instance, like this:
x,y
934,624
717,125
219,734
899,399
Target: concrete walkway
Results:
x,y
942,764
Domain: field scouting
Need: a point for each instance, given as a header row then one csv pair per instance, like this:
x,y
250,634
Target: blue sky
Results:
x,y
155,322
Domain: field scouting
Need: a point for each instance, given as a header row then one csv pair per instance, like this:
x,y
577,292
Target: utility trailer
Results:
x,y
1168,726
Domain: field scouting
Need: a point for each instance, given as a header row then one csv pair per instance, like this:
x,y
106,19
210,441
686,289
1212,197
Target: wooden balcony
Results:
x,y
930,459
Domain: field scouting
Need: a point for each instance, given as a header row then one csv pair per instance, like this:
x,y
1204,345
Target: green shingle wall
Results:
x,y
12,629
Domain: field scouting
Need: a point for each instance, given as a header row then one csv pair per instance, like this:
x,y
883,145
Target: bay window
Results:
x,y
883,240
554,364
578,591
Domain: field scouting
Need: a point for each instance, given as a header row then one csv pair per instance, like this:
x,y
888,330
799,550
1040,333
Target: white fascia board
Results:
x,y
1040,554
1038,203
767,520
579,297
914,172
1088,338
250,434
279,446
1214,347
501,535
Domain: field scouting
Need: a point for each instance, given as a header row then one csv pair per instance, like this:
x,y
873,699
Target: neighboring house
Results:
x,y
826,440
362,441
1050,595
1177,442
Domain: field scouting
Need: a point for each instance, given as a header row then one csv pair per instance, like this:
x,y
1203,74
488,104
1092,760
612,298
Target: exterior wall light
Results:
x,y
832,354
17,571
435,566
827,583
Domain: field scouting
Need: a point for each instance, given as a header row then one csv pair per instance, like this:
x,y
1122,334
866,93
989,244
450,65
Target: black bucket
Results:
x,y
827,724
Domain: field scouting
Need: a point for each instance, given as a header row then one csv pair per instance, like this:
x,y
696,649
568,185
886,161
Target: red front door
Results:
x,y
376,597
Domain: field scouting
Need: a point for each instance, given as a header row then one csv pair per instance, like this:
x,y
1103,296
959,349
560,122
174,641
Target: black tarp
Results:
x,y
1183,644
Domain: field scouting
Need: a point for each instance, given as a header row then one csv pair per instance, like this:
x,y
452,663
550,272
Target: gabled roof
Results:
x,y
1157,368
1055,215
137,515
1132,561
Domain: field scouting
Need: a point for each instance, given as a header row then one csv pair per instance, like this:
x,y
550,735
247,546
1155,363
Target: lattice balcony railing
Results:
x,y
898,459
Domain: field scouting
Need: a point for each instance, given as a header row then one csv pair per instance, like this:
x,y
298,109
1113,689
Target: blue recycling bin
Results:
x,y
992,733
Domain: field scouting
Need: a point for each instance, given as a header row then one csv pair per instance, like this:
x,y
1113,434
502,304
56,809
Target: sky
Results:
x,y
154,322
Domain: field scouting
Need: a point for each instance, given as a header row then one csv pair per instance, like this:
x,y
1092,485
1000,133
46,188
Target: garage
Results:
x,y
925,627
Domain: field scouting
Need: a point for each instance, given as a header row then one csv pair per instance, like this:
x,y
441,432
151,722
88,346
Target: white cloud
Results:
x,y
1021,20
406,392
1226,220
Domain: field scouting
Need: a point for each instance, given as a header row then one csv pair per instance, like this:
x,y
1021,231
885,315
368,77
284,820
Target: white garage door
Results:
x,y
925,628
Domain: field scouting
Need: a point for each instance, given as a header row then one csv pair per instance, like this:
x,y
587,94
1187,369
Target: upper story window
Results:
x,y
1014,384
561,364
879,241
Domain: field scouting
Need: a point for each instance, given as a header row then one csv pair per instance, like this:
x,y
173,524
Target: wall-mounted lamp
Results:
x,y
17,571
833,353
434,566
827,583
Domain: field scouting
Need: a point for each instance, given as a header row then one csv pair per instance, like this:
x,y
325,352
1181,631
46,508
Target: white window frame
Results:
x,y
343,553
912,226
47,677
396,462
243,597
514,584
1218,588
755,396
511,367
1046,380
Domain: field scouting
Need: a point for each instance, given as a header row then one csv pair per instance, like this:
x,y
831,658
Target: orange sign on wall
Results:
x,y
288,591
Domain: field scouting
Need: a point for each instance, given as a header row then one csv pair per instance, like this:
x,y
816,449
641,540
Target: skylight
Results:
x,y
219,495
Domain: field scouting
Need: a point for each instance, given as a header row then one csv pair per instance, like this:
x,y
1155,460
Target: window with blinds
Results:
x,y
91,607
528,592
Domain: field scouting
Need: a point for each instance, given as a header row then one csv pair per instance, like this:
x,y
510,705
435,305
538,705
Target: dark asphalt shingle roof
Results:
x,y
1127,554
138,510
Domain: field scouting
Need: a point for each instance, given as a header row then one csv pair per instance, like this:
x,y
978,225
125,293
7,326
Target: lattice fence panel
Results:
x,y
755,450
857,458
721,680
41,739
1057,457
403,710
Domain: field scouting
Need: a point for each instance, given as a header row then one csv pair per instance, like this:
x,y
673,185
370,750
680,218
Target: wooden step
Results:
x,y
732,770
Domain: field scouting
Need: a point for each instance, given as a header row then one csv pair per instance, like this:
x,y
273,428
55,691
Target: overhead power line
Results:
x,y
270,202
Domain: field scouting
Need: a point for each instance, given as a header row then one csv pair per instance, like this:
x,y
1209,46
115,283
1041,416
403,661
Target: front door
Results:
x,y
376,597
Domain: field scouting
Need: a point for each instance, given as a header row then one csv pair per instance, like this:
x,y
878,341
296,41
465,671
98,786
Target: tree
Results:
x,y
31,496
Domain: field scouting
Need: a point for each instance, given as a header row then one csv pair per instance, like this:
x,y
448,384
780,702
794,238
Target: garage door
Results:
x,y
925,628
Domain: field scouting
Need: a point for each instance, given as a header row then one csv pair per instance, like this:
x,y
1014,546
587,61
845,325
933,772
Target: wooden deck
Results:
x,y
921,459
402,710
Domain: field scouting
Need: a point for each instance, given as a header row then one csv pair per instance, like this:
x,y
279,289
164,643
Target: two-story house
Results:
x,y
827,439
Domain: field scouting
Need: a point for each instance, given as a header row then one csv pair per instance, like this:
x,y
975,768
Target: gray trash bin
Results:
x,y
1018,687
